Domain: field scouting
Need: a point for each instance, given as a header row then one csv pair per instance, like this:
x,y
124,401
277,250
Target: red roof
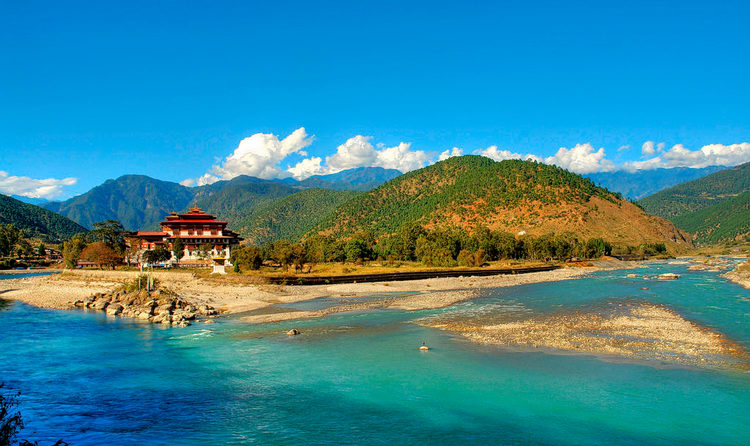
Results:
x,y
185,237
166,222
154,234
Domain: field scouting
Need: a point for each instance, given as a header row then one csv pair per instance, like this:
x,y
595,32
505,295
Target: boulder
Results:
x,y
114,309
100,305
293,332
668,276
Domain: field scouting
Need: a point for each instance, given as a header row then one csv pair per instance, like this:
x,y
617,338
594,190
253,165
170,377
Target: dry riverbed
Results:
x,y
637,330
61,290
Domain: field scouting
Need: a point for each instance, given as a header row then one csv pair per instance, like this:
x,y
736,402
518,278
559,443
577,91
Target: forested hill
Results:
x,y
700,193
642,183
511,195
292,216
36,221
137,201
725,220
715,208
141,202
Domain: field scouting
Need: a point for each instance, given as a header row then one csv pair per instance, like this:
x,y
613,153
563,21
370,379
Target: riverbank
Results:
x,y
740,274
62,290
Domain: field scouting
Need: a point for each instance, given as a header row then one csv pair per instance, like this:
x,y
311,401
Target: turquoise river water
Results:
x,y
357,377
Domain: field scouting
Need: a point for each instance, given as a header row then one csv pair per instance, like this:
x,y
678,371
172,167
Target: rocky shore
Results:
x,y
159,306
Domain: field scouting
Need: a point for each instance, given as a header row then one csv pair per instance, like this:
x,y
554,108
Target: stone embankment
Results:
x,y
157,306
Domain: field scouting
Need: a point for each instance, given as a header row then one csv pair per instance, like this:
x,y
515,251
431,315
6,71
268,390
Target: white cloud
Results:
x,y
307,168
582,158
401,158
358,151
48,188
258,156
710,155
450,153
621,148
648,149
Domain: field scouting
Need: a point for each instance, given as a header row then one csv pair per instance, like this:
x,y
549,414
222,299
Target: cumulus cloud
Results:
x,y
648,148
48,188
496,154
307,168
710,155
450,153
358,151
582,158
258,155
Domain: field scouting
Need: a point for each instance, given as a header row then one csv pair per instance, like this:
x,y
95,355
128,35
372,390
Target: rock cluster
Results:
x,y
156,306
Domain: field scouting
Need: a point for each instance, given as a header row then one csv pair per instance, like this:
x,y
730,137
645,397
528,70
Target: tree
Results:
x,y
356,249
9,236
101,254
110,232
40,250
72,249
246,257
132,250
204,251
178,249
24,248
10,418
158,255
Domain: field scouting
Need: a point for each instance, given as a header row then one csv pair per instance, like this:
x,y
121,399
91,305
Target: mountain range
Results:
x,y
642,183
512,195
714,208
37,222
141,202
465,192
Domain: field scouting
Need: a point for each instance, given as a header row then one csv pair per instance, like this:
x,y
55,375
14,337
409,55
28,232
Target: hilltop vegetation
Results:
x,y
714,208
36,222
141,202
292,216
722,221
513,196
700,193
137,201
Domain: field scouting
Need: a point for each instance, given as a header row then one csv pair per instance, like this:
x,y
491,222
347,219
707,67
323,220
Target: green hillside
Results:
x,y
722,221
36,221
512,195
700,193
137,201
141,202
239,197
292,216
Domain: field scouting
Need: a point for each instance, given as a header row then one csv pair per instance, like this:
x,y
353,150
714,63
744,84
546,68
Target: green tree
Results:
x,y
158,255
110,232
9,236
24,248
178,249
72,249
249,257
204,251
40,250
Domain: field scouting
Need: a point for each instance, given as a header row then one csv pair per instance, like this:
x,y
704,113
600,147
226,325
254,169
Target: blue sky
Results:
x,y
94,90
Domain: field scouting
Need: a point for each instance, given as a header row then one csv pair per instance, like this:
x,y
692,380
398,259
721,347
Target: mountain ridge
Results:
x,y
37,221
513,195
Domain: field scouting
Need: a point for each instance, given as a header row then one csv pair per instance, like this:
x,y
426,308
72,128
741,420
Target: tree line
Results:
x,y
444,247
